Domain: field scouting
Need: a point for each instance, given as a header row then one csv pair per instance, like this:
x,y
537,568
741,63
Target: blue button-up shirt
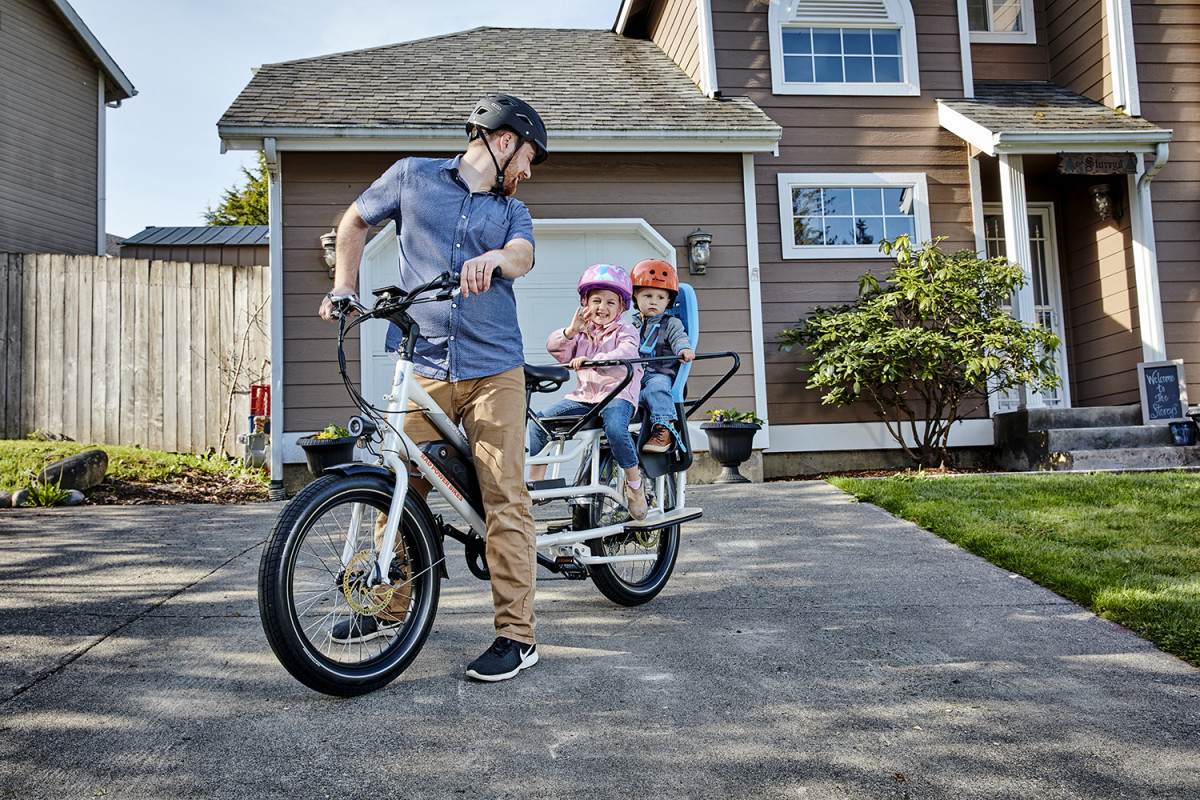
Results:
x,y
440,224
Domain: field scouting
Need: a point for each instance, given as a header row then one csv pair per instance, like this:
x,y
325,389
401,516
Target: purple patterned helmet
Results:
x,y
606,276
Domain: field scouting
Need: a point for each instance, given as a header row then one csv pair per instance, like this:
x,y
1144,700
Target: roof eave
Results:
x,y
122,88
238,137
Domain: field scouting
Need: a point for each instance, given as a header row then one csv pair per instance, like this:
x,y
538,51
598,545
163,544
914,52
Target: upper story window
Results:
x,y
1001,21
842,48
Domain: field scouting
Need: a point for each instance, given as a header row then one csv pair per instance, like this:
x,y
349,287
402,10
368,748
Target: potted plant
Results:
x,y
332,446
731,440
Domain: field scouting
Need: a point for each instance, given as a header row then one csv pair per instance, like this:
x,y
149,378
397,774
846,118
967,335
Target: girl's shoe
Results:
x,y
635,501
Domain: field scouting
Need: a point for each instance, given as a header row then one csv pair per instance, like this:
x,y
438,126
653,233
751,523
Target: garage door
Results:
x,y
546,297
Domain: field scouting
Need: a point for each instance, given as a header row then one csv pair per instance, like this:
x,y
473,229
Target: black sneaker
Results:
x,y
361,628
503,660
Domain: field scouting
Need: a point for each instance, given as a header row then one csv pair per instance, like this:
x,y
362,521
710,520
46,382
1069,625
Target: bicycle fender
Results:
x,y
412,501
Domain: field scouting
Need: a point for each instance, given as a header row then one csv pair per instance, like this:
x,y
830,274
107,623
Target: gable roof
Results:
x,y
594,89
117,87
201,236
1040,117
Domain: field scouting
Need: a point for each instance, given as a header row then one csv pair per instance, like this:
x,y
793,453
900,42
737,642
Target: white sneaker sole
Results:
x,y
388,631
526,662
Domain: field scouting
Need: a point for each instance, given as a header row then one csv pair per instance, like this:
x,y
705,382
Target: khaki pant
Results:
x,y
492,412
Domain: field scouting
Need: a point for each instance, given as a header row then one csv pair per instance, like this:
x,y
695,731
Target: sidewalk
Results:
x,y
806,647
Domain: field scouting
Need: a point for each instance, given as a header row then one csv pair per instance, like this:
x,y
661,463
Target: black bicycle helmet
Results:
x,y
498,111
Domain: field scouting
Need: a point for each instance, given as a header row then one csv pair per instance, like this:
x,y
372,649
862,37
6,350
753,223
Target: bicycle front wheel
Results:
x,y
330,625
651,554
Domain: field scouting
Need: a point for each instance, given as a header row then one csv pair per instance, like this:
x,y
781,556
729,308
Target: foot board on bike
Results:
x,y
673,517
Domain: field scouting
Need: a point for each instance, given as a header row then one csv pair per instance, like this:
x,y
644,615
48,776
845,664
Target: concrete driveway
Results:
x,y
806,647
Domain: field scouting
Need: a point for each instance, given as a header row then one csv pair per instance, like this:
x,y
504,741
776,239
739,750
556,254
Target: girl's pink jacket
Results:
x,y
618,340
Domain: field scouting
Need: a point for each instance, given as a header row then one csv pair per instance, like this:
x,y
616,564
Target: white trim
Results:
x,y
900,16
825,180
1122,60
275,257
964,51
754,281
867,436
707,46
622,17
250,137
101,168
975,178
1026,36
107,66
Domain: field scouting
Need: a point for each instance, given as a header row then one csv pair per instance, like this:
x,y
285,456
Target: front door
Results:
x,y
1047,296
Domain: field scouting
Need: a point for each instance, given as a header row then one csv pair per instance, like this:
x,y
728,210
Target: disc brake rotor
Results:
x,y
364,599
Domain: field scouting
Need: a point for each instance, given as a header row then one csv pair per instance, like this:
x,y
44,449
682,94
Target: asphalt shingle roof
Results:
x,y
1038,107
578,80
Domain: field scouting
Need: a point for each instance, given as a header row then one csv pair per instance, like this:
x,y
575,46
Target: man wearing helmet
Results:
x,y
460,215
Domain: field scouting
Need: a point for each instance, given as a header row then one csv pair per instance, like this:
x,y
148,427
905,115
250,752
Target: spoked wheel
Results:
x,y
633,582
333,627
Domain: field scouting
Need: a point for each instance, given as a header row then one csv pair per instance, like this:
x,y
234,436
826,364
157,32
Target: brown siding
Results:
x,y
1167,42
674,193
238,256
840,134
673,27
49,139
1077,42
1015,62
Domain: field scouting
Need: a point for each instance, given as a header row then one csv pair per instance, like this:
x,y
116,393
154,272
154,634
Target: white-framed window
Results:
x,y
1001,21
833,47
847,215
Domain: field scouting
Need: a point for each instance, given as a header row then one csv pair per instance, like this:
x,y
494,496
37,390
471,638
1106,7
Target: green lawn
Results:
x,y
1126,546
131,469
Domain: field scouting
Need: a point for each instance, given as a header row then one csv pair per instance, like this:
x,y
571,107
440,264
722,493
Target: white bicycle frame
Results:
x,y
569,543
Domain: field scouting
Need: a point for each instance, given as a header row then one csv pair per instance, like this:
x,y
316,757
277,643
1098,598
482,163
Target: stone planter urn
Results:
x,y
730,444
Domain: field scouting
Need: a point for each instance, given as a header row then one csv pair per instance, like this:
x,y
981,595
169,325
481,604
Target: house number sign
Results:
x,y
1097,163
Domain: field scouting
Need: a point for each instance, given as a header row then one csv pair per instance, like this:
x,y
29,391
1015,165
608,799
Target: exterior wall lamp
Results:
x,y
329,245
1106,201
698,251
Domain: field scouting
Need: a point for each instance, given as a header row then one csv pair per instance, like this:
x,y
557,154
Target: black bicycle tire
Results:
x,y
297,652
607,577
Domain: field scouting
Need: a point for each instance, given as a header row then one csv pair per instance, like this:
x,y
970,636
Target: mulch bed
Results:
x,y
195,487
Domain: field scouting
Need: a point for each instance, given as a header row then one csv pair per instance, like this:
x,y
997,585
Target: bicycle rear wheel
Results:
x,y
633,582
308,585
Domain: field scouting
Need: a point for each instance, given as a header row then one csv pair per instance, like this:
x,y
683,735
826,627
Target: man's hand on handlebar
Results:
x,y
340,301
478,272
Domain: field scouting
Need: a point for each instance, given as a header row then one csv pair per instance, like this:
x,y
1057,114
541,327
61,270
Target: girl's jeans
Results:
x,y
616,416
656,397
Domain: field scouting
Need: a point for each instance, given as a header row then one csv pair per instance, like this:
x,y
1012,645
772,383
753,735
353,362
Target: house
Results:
x,y
797,134
236,245
56,80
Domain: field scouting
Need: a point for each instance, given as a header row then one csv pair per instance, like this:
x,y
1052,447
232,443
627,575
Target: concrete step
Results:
x,y
1042,419
1108,438
1126,458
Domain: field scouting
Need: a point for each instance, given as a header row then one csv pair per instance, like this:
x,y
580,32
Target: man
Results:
x,y
460,215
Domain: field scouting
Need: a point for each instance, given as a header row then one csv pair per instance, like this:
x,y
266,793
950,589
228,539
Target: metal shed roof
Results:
x,y
202,236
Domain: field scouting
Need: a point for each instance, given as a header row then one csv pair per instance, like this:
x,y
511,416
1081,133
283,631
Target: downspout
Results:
x,y
101,168
964,47
275,245
1145,257
707,48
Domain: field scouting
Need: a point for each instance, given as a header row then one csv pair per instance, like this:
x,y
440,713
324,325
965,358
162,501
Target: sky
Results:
x,y
188,60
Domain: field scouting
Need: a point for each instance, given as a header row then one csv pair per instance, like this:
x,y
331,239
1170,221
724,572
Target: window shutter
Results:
x,y
827,11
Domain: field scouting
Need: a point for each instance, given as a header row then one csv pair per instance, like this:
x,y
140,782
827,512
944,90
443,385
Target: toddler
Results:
x,y
655,285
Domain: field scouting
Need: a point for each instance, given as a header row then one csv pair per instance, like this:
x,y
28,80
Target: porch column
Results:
x,y
1145,260
1016,246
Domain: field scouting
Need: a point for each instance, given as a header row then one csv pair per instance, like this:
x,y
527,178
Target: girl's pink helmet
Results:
x,y
606,276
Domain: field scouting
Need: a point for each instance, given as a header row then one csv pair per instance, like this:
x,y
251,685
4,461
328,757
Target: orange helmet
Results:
x,y
655,274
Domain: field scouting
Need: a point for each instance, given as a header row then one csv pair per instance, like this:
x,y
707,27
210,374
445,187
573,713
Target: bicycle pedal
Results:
x,y
549,483
570,568
558,527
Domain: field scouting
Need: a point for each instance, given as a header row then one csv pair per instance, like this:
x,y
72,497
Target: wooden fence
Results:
x,y
159,354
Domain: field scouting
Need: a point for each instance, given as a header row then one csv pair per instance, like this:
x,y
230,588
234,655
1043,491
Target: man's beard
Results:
x,y
511,178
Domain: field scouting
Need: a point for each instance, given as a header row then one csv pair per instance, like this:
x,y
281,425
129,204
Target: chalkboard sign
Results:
x,y
1164,392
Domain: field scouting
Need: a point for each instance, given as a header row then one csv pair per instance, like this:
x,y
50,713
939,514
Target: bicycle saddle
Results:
x,y
545,378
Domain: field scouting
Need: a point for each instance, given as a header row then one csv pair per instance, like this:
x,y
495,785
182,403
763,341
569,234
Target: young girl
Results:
x,y
598,333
